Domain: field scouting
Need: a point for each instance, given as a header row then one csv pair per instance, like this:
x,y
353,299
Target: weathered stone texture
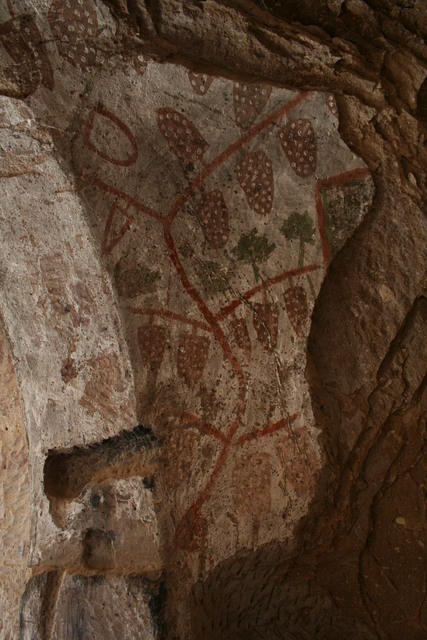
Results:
x,y
59,606
14,496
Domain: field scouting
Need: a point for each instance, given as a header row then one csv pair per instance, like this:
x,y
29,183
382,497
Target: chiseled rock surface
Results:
x,y
75,378
78,607
14,496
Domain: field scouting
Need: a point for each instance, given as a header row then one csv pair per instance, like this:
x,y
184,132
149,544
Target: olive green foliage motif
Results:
x,y
132,282
253,249
299,226
213,277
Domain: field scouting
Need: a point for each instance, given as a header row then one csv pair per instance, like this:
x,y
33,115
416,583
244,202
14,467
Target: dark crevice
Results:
x,y
157,606
422,103
98,550
67,473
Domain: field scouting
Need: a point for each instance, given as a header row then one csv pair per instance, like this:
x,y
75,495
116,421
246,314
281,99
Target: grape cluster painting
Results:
x,y
232,211
217,206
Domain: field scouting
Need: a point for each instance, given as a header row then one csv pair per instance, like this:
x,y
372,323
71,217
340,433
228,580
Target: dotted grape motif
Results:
x,y
296,308
251,483
22,40
249,101
240,335
255,176
299,144
181,135
152,343
214,219
200,82
74,25
266,323
193,353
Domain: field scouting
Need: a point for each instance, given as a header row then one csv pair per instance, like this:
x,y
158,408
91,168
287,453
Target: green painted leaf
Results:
x,y
133,282
213,277
299,226
253,249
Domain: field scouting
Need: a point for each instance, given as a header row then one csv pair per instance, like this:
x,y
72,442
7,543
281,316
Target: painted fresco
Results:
x,y
216,207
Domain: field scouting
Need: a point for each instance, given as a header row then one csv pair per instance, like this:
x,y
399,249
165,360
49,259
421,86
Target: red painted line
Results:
x,y
106,247
347,176
120,125
11,9
192,516
326,251
271,427
225,311
190,418
170,315
204,309
235,365
209,316
325,183
129,199
205,493
232,148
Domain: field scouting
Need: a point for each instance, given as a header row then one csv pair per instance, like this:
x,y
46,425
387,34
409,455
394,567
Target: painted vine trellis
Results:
x,y
74,27
255,175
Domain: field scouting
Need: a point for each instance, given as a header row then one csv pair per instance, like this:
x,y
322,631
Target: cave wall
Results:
x,y
14,495
190,402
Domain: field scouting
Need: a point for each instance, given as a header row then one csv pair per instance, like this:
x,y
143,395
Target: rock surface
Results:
x,y
212,270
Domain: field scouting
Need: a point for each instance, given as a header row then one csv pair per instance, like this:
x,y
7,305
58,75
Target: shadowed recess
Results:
x,y
67,473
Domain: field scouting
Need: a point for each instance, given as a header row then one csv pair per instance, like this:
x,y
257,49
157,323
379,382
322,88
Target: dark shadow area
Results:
x,y
422,103
355,570
58,606
67,473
